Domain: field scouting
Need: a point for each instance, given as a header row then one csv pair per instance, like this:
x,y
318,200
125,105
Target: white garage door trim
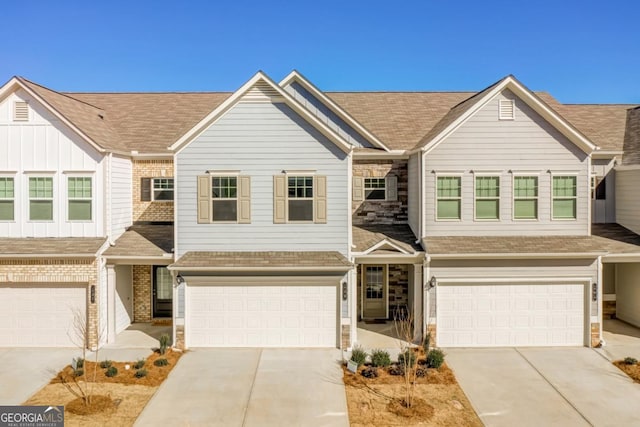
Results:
x,y
40,314
506,314
279,321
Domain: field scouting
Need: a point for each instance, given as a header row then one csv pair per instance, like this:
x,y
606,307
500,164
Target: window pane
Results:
x,y
449,186
525,186
163,195
564,208
6,210
41,187
526,209
487,186
300,187
374,282
164,283
79,210
448,209
6,188
225,210
41,210
300,210
79,188
374,194
487,209
564,186
225,187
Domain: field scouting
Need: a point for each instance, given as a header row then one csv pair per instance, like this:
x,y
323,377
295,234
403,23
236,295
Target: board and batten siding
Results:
x,y
413,188
326,116
261,140
121,187
44,146
526,145
628,198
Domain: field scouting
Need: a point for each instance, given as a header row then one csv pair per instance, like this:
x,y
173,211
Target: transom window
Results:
x,y
374,188
487,197
225,198
6,199
449,197
525,197
300,198
162,188
564,197
41,199
79,195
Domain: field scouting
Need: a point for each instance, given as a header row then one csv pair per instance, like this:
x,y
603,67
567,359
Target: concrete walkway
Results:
x,y
24,371
251,387
545,386
621,340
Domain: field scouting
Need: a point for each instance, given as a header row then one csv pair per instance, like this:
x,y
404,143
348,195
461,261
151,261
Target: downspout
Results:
x,y
600,304
108,197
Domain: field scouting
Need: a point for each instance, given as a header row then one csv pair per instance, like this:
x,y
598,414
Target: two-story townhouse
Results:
x,y
304,218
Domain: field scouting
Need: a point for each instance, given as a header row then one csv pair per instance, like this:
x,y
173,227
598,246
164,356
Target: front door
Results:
x,y
162,292
374,298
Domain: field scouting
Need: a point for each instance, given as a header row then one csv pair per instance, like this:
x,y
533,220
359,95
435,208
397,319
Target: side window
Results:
x,y
449,197
564,197
7,199
162,189
374,188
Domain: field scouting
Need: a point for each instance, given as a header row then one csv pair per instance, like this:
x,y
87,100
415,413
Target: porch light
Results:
x,y
433,282
179,280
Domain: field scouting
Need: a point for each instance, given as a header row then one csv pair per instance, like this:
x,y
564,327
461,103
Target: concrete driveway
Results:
x,y
545,386
23,371
621,340
251,387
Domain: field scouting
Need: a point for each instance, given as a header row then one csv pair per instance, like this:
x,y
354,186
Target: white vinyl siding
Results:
x,y
7,201
627,200
261,140
526,145
79,195
525,197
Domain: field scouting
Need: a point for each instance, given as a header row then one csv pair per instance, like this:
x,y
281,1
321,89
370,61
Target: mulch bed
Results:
x,y
633,371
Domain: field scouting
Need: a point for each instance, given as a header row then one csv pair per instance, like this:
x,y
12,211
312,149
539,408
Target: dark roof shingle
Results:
x,y
50,246
262,260
146,240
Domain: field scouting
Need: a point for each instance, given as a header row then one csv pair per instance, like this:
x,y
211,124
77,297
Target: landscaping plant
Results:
x,y
111,372
369,372
141,373
105,364
161,362
380,358
358,355
435,358
139,364
165,342
630,361
407,358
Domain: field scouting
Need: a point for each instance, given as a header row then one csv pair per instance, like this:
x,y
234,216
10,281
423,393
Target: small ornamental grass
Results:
x,y
161,362
358,355
141,373
139,364
105,364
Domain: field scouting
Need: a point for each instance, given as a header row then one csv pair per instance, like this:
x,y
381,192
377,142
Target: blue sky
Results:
x,y
579,51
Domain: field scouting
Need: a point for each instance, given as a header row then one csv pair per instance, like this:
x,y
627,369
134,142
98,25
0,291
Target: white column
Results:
x,y
416,291
111,304
353,286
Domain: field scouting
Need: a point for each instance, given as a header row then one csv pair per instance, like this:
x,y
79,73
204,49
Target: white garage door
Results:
x,y
479,315
39,315
261,316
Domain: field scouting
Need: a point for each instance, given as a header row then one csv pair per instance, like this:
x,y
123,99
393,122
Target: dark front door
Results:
x,y
162,292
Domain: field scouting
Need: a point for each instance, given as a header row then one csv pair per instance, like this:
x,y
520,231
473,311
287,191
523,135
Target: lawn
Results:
x,y
117,400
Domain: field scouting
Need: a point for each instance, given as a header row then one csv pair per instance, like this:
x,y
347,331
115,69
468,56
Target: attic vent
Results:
x,y
261,92
20,111
507,109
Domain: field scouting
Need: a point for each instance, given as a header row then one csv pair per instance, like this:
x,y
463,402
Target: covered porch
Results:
x,y
388,289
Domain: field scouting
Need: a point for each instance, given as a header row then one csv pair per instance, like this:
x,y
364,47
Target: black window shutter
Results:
x,y
145,189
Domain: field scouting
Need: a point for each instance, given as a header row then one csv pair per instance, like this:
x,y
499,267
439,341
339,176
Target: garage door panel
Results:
x,y
257,316
510,315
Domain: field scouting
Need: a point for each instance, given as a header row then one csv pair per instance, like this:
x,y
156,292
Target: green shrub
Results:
x,y
407,358
141,373
435,358
161,362
106,364
380,358
79,363
139,364
165,342
358,355
112,371
630,361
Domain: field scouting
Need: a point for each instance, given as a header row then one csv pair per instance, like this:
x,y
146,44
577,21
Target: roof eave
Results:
x,y
336,269
523,255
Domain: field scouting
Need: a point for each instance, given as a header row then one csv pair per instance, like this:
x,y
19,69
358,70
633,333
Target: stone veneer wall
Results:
x,y
379,211
58,271
142,293
151,211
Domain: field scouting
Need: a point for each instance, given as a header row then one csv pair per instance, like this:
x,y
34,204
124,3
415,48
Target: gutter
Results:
x,y
566,255
243,269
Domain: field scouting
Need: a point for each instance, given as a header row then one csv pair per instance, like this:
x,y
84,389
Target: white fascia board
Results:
x,y
10,87
256,269
385,242
219,111
532,101
606,154
382,155
568,255
513,279
335,108
150,156
621,258
165,259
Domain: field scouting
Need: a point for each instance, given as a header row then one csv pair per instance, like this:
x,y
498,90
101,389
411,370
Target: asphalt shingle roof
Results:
x,y
50,246
143,240
365,237
262,260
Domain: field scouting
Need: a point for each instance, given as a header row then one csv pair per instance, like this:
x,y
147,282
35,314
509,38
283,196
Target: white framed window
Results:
x,y
7,198
449,198
162,189
487,197
564,197
375,188
224,195
80,198
506,109
525,197
300,198
41,198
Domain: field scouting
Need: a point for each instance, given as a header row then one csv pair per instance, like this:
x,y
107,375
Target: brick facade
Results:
x,y
151,211
142,293
345,336
379,211
179,337
595,335
59,271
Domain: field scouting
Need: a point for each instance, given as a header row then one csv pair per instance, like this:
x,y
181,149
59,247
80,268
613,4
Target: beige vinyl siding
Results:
x,y
413,171
260,140
527,145
627,198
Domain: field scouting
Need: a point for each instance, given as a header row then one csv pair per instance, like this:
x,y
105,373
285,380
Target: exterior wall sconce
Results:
x,y
594,292
433,282
179,280
93,294
344,291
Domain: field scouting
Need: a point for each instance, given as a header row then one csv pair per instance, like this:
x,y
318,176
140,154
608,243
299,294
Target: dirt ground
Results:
x,y
632,370
369,400
129,401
